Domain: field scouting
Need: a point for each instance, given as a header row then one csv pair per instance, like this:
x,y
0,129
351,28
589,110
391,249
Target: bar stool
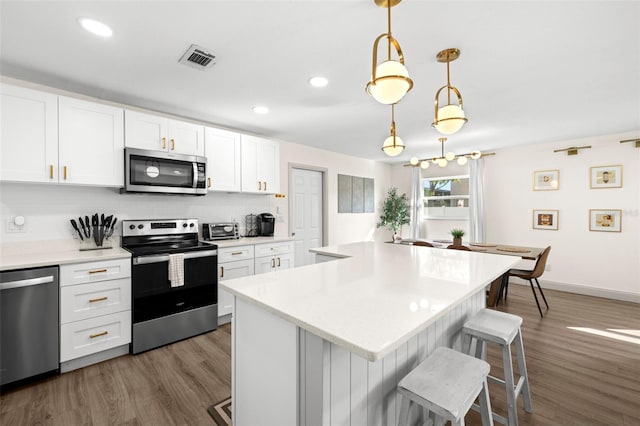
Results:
x,y
446,384
502,329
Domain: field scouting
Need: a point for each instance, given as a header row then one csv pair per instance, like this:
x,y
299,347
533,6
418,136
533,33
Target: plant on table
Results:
x,y
457,235
395,212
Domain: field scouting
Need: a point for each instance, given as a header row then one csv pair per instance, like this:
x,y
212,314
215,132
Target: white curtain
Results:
x,y
415,200
476,201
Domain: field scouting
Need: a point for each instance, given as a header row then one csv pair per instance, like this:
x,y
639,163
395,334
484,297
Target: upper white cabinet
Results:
x,y
147,131
260,165
91,143
222,149
29,135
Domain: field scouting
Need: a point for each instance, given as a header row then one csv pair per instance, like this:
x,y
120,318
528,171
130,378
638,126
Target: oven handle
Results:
x,y
142,260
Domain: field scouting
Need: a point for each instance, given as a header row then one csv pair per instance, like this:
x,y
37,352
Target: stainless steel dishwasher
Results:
x,y
29,336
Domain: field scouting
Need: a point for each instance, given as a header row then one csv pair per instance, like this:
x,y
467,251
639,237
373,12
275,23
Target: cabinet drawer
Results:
x,y
81,338
231,254
274,248
83,301
88,272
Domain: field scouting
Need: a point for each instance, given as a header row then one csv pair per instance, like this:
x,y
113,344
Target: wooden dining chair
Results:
x,y
458,247
422,243
534,274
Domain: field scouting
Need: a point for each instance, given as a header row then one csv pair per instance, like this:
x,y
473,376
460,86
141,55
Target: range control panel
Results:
x,y
159,227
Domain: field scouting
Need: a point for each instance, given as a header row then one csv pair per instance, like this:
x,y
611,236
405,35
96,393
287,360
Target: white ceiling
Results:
x,y
529,72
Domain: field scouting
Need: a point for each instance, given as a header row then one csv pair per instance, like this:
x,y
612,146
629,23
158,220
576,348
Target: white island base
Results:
x,y
284,375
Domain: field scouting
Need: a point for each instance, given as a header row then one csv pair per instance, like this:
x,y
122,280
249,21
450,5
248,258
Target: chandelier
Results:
x,y
449,118
393,145
444,159
390,79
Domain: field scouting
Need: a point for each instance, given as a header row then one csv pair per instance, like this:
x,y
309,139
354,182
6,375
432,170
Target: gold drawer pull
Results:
x,y
51,171
97,271
265,186
208,182
278,262
236,253
259,186
65,172
173,144
273,263
93,336
222,272
99,299
164,143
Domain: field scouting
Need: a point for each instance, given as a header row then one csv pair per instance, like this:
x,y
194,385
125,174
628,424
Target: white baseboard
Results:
x,y
587,291
85,361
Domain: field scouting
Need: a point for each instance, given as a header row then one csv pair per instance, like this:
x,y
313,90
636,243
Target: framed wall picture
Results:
x,y
606,177
545,219
605,220
546,180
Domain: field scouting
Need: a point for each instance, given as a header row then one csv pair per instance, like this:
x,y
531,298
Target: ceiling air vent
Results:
x,y
197,57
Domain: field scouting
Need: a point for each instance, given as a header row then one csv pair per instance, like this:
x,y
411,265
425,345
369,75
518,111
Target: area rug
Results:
x,y
221,412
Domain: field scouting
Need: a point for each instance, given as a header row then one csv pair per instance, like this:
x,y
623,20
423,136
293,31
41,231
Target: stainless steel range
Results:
x,y
174,281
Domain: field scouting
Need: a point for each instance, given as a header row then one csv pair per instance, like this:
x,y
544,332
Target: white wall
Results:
x,y
341,227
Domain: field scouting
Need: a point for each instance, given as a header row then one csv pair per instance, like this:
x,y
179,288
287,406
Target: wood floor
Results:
x,y
577,378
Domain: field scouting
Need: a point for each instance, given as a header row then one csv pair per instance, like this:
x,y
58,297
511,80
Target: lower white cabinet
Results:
x,y
95,309
274,256
234,262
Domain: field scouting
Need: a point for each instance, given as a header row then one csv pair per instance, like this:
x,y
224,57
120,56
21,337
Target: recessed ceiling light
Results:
x,y
96,27
260,109
318,81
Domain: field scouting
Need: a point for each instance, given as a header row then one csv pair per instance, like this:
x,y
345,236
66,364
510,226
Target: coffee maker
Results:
x,y
266,223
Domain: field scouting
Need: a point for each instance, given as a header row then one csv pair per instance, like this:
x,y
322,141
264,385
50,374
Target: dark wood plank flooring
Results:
x,y
577,378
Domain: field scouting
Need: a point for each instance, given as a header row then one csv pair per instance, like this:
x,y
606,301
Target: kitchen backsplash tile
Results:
x,y
48,208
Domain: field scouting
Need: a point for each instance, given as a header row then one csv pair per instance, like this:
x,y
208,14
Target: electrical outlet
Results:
x,y
12,228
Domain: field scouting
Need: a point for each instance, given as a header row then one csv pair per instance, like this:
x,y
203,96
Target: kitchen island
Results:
x,y
327,343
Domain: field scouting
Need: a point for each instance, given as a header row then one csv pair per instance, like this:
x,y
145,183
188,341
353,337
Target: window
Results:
x,y
446,197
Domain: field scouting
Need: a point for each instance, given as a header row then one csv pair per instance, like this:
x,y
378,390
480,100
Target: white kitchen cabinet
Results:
x,y
233,262
95,311
273,257
222,149
29,135
154,132
260,165
91,143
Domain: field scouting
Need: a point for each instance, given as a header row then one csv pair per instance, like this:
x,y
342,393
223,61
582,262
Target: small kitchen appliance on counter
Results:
x,y
174,283
251,225
266,223
220,231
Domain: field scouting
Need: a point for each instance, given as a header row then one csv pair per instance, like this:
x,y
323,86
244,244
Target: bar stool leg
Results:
x,y
485,405
522,369
509,386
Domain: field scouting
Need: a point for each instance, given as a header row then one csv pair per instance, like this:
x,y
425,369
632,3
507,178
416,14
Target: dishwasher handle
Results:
x,y
26,283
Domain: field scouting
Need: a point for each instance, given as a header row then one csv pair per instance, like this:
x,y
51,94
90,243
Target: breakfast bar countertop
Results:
x,y
374,296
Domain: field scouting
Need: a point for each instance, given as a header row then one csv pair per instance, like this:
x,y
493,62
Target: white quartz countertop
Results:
x,y
375,296
244,241
34,254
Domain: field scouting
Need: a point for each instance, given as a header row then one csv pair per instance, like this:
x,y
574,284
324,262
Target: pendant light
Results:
x,y
449,118
390,79
393,145
444,159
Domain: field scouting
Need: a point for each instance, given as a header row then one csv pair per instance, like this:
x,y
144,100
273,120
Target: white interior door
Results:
x,y
306,212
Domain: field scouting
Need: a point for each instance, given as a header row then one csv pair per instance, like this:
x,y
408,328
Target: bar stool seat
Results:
x,y
502,329
446,384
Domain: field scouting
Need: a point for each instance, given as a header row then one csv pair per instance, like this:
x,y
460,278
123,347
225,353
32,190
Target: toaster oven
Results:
x,y
220,231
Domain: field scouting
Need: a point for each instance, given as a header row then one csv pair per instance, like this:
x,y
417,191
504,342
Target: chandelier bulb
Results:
x,y
414,161
462,160
424,164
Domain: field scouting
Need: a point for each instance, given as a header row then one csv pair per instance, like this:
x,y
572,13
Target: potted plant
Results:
x,y
395,212
457,235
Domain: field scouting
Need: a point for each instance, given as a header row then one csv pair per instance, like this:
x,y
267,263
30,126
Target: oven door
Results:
x,y
157,171
153,296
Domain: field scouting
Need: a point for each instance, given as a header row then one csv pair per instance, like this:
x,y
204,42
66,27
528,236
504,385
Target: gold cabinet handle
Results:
x,y
93,336
99,299
265,186
278,262
222,272
65,172
173,144
51,171
273,263
259,186
236,253
208,182
164,143
97,271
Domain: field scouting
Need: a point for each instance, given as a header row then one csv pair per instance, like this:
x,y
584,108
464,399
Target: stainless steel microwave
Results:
x,y
164,172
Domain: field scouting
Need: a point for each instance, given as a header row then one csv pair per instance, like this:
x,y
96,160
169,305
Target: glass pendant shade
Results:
x,y
475,155
392,149
450,119
450,156
462,160
414,161
424,164
391,83
442,162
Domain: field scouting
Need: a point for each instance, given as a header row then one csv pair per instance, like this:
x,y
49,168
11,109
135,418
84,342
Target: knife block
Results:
x,y
91,244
